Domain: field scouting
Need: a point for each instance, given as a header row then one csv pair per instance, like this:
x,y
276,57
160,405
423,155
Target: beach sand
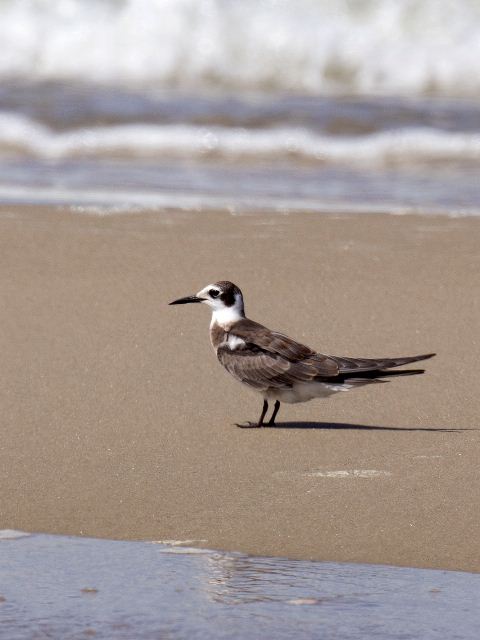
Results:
x,y
118,422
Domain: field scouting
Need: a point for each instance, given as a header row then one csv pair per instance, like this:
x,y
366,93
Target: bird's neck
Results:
x,y
227,316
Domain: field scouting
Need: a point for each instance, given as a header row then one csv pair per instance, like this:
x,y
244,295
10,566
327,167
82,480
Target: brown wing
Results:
x,y
271,359
357,365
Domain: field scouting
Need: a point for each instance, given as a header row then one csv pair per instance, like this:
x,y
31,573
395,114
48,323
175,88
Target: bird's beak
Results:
x,y
187,299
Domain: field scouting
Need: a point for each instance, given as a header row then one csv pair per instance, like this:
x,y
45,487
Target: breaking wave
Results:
x,y
21,135
354,47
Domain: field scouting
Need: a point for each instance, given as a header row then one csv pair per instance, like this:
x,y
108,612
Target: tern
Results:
x,y
278,367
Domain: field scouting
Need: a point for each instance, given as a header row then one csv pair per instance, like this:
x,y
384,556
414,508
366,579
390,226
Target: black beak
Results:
x,y
187,299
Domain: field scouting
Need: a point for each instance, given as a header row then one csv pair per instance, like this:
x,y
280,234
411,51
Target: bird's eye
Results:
x,y
213,293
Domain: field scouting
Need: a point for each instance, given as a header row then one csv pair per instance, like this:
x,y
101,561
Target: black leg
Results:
x,y
251,425
264,411
271,422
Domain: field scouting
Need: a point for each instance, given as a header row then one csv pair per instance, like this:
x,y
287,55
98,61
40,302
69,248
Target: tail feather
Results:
x,y
360,365
377,376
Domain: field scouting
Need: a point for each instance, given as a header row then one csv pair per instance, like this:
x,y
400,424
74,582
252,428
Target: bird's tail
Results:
x,y
388,363
364,370
358,365
368,377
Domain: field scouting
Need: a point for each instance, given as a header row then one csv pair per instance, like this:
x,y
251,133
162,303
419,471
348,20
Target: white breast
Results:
x,y
233,342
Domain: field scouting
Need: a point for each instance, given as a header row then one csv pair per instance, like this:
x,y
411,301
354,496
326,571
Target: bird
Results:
x,y
277,366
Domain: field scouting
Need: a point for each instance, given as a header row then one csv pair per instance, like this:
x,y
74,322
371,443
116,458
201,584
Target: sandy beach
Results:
x,y
118,422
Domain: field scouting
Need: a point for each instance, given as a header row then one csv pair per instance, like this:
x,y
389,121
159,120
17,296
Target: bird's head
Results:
x,y
224,297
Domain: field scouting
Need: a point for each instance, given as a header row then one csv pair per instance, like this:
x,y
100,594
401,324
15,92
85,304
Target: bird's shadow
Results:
x,y
329,426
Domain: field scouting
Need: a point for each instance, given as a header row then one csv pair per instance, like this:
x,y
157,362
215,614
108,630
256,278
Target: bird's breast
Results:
x,y
217,335
234,342
220,337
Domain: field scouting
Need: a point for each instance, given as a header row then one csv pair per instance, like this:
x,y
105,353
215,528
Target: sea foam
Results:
x,y
23,135
359,47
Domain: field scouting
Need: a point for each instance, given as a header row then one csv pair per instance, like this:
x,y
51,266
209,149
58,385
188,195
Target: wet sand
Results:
x,y
118,422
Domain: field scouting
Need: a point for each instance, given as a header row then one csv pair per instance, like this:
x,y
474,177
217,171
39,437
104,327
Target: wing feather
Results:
x,y
272,359
269,359
352,365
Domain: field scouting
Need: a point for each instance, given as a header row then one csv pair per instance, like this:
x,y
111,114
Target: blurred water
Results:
x,y
408,47
115,187
58,588
97,145
281,105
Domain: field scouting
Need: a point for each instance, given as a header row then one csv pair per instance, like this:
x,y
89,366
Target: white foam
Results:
x,y
349,473
21,134
114,201
12,534
188,551
303,601
178,543
388,46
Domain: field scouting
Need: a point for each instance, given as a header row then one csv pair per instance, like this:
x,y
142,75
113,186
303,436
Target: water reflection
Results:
x,y
59,587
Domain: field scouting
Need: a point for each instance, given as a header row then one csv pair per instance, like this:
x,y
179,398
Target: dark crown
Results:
x,y
229,290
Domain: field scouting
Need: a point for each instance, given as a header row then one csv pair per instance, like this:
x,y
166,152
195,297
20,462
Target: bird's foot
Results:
x,y
250,425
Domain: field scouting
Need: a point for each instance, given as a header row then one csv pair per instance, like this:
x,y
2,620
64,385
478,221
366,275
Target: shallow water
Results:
x,y
58,587
122,186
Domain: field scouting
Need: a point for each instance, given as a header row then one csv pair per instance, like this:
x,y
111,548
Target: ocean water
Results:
x,y
279,105
358,47
56,587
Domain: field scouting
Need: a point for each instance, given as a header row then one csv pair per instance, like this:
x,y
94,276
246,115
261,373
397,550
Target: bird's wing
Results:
x,y
358,365
268,358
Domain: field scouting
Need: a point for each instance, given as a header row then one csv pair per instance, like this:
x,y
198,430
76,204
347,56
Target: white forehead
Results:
x,y
206,289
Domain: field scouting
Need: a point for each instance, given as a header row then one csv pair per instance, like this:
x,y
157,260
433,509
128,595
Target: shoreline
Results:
x,y
119,422
133,587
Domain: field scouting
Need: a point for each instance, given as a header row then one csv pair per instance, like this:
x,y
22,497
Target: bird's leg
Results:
x,y
260,423
264,411
271,422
